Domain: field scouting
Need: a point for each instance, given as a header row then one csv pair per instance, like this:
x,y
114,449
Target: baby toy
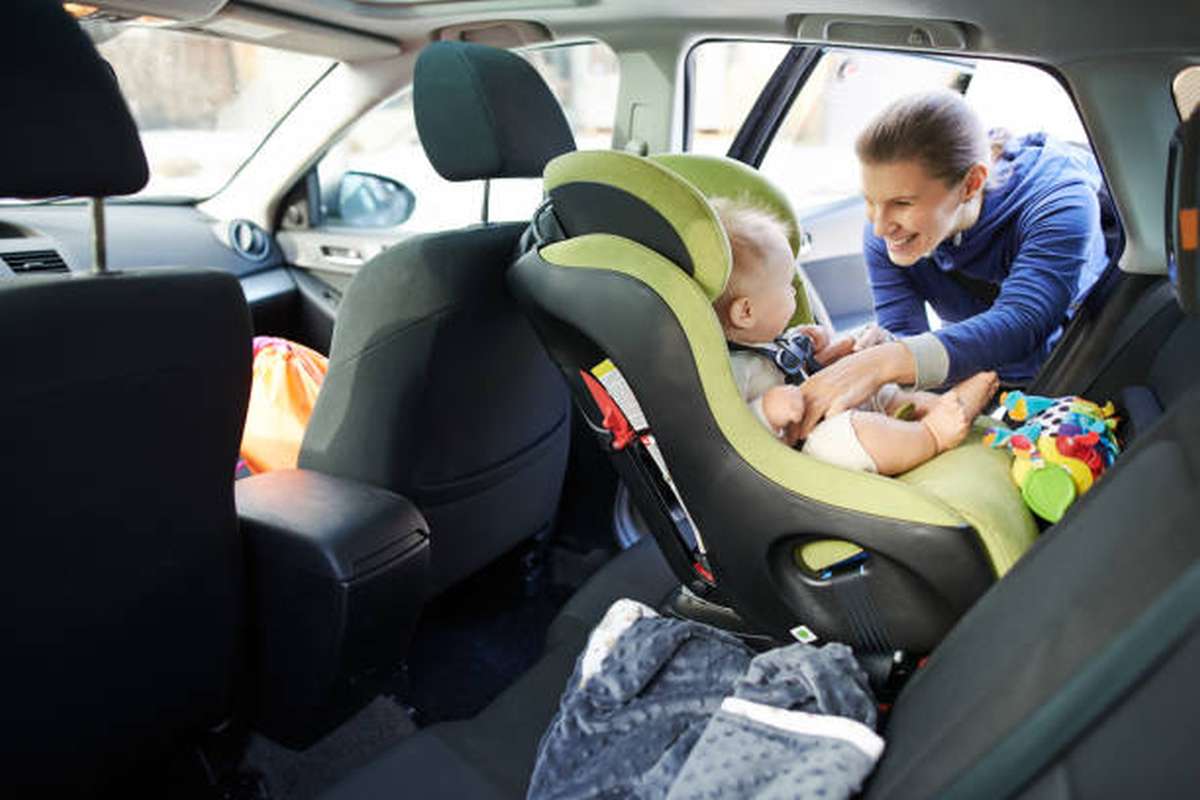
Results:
x,y
1063,445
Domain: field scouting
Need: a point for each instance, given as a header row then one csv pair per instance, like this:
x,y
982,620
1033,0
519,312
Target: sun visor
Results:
x,y
1183,217
67,130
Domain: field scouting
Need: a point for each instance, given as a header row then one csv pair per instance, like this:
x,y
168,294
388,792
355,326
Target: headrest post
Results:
x,y
487,198
99,254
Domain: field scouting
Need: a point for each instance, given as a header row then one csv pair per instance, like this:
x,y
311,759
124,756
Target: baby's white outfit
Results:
x,y
833,439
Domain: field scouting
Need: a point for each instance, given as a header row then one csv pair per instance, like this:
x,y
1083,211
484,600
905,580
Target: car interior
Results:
x,y
485,212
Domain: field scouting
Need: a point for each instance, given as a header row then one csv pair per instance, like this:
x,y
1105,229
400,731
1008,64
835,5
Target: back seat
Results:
x,y
1074,676
492,755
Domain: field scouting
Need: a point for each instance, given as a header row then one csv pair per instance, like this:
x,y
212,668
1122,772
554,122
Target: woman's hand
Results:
x,y
871,335
850,381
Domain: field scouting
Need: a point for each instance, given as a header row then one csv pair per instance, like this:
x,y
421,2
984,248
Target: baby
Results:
x,y
755,308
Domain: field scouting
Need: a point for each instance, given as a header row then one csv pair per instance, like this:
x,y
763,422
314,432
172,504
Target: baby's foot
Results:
x,y
947,421
950,416
976,392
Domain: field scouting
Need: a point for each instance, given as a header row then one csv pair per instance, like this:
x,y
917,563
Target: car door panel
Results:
x,y
835,266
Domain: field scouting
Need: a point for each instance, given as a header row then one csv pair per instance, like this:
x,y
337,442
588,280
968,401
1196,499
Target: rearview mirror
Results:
x,y
373,201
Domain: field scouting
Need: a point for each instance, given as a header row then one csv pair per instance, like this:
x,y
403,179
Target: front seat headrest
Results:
x,y
482,112
67,130
1183,216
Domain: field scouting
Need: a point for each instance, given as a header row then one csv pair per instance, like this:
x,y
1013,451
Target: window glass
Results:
x,y
1186,88
812,156
202,105
727,78
583,77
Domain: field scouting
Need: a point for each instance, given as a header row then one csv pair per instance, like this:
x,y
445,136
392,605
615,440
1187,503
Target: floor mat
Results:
x,y
470,645
299,776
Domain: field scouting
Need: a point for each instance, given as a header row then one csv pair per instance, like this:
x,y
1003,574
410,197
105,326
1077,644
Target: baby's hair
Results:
x,y
745,222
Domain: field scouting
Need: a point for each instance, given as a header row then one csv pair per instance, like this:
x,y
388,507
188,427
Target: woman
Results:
x,y
1003,251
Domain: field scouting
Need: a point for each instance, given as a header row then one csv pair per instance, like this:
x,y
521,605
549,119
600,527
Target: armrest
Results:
x,y
338,572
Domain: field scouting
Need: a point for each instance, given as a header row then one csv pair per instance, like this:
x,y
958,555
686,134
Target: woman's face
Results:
x,y
912,211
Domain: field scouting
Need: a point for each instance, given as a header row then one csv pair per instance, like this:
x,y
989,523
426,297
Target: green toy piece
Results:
x,y
1048,493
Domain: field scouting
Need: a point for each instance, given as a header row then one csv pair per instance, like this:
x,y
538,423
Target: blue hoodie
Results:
x,y
1038,237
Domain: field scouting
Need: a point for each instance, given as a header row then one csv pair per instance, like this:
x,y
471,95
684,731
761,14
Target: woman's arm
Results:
x,y
899,306
851,381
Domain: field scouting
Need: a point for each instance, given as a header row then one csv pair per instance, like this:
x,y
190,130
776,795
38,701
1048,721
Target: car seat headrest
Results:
x,y
483,112
717,176
641,200
1183,217
67,129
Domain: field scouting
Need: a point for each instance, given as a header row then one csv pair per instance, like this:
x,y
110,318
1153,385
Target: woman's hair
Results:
x,y
936,128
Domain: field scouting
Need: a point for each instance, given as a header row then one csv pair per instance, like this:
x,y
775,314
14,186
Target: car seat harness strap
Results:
x,y
793,354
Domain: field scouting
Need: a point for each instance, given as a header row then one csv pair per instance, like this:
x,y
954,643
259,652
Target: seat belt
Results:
x,y
1034,744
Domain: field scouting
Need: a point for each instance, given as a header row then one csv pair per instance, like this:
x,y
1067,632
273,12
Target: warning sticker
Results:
x,y
618,389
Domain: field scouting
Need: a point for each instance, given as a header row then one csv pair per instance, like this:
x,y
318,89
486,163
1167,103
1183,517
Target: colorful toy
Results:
x,y
1063,445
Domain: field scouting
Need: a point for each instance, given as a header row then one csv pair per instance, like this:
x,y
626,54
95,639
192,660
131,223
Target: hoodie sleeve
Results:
x,y
1055,236
899,307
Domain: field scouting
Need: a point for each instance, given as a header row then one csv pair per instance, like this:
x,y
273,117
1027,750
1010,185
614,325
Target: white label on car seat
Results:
x,y
618,389
803,634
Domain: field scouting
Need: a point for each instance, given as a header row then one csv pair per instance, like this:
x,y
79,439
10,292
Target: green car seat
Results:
x,y
620,288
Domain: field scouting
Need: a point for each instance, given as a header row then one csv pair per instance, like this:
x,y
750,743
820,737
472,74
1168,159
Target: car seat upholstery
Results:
x,y
1036,693
640,295
437,387
123,404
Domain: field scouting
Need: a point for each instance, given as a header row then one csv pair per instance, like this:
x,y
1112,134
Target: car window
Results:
x,y
726,79
812,156
385,143
202,104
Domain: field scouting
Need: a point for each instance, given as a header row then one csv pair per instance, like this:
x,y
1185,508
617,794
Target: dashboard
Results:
x,y
58,238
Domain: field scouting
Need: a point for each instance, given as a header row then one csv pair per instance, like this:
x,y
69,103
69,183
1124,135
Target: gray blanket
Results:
x,y
665,708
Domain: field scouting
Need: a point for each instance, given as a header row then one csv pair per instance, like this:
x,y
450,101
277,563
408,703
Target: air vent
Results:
x,y
29,261
249,241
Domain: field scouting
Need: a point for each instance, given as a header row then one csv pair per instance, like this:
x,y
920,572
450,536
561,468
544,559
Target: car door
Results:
x,y
800,129
374,187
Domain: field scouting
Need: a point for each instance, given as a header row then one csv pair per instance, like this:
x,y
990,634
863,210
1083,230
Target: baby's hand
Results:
x,y
782,406
827,345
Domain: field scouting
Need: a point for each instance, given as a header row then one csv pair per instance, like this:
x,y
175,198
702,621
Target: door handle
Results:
x,y
345,256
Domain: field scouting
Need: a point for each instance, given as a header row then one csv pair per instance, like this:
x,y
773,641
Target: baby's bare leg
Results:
x,y
898,446
894,445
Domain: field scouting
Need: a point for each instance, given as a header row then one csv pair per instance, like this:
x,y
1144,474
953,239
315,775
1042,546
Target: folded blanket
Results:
x,y
667,708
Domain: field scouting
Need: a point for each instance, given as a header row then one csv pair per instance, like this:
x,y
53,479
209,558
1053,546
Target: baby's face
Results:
x,y
772,295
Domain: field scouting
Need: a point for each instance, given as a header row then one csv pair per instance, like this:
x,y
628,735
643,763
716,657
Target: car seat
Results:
x,y
122,407
437,388
784,539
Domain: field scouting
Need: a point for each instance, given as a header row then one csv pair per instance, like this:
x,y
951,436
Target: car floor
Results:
x,y
470,644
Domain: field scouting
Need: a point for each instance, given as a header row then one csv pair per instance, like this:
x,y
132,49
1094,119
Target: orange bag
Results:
x,y
287,378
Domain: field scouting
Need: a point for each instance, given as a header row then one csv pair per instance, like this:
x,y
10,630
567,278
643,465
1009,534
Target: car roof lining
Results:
x,y
1106,65
1030,29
